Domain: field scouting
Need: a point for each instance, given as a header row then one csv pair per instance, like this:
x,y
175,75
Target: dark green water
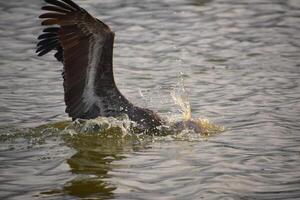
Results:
x,y
241,68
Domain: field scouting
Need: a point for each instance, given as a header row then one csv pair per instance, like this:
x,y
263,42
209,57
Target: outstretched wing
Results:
x,y
85,45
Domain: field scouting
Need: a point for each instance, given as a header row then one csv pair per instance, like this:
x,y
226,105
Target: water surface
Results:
x,y
241,68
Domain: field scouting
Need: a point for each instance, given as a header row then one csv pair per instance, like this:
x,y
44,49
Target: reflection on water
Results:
x,y
91,164
240,61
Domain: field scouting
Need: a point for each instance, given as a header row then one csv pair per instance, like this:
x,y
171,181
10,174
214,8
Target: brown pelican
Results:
x,y
84,45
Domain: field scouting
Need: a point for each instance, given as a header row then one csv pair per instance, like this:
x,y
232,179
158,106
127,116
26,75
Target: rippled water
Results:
x,y
241,66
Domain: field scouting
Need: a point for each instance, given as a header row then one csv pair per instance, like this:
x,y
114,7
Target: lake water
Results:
x,y
241,67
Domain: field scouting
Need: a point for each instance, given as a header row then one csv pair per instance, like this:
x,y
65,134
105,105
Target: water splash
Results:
x,y
208,128
102,125
199,125
180,98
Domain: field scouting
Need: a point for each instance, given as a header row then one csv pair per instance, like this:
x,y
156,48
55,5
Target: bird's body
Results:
x,y
84,45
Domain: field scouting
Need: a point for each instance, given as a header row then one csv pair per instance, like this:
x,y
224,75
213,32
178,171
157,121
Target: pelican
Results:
x,y
84,45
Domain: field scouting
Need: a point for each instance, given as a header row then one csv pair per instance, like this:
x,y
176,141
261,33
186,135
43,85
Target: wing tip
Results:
x,y
72,3
64,4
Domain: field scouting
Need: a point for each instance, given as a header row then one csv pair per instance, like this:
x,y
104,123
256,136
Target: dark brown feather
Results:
x,y
51,15
45,49
60,5
71,3
59,54
55,9
52,30
50,22
47,42
48,35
